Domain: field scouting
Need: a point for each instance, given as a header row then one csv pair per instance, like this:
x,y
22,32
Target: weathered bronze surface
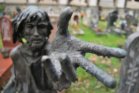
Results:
x,y
41,67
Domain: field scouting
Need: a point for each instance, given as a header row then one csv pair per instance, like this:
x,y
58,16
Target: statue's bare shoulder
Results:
x,y
15,52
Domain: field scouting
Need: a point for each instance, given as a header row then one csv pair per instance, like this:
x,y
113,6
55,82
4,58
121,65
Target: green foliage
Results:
x,y
102,24
2,7
1,45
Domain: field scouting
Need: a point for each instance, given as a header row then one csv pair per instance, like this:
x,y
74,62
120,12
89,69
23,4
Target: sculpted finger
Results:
x,y
64,20
52,68
68,69
102,76
102,50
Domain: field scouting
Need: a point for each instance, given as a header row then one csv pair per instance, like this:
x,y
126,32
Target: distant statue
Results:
x,y
111,19
18,10
43,67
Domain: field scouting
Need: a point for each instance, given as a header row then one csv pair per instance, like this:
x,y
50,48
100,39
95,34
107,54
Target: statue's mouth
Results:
x,y
37,40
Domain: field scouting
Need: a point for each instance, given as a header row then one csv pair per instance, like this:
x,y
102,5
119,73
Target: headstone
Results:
x,y
91,17
6,32
129,75
94,18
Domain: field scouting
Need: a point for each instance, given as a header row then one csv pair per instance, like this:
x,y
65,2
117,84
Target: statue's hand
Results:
x,y
59,69
58,64
75,49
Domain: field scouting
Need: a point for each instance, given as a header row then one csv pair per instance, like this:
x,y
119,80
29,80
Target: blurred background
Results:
x,y
104,22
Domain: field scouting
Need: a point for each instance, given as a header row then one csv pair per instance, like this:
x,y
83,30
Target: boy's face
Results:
x,y
36,33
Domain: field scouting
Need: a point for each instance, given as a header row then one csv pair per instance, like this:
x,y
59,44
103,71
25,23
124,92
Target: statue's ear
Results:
x,y
64,20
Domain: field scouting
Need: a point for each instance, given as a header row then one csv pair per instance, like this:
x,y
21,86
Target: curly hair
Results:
x,y
27,16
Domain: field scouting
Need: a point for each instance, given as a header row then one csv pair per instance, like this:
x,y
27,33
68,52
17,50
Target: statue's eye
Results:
x,y
30,26
42,26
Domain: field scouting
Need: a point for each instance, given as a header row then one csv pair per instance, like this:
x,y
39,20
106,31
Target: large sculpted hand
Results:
x,y
67,53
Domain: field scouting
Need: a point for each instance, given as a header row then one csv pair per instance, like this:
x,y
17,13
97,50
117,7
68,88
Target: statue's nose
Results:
x,y
35,31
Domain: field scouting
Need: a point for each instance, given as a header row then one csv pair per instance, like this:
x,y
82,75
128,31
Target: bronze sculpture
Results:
x,y
41,67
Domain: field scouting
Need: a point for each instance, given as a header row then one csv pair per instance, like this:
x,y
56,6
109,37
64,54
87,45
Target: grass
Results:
x,y
87,83
111,40
102,24
1,45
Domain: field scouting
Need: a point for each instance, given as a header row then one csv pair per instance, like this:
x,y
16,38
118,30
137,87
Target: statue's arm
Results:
x,y
11,85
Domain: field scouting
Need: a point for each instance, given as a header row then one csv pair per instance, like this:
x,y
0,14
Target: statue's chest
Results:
x,y
32,59
26,62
